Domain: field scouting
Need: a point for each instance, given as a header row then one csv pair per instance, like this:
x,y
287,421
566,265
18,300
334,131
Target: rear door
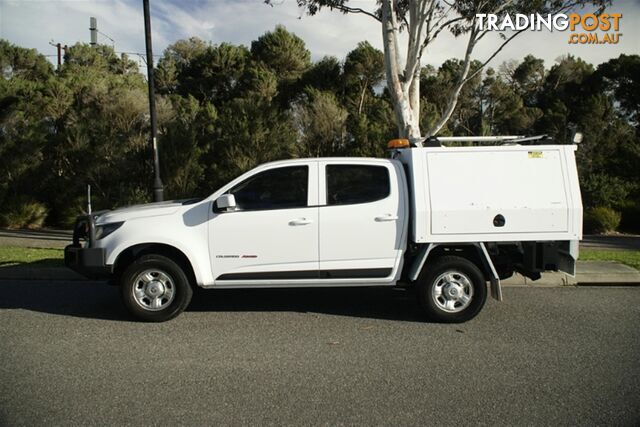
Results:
x,y
362,219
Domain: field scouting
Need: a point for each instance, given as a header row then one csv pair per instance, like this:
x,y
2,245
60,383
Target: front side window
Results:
x,y
280,188
350,184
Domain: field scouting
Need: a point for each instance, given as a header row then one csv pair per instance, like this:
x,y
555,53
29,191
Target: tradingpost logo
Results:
x,y
587,28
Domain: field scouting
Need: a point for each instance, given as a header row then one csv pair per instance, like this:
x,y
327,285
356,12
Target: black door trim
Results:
x,y
359,273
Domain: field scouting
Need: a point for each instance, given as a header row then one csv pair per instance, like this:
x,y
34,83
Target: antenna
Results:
x,y
89,199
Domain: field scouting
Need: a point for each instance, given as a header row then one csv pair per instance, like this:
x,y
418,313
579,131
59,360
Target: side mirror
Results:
x,y
226,202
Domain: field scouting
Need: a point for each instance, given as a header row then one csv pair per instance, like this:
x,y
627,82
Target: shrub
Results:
x,y
604,190
24,214
601,220
66,216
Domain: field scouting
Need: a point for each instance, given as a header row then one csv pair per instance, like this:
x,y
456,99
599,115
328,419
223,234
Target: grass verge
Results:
x,y
630,258
31,257
37,257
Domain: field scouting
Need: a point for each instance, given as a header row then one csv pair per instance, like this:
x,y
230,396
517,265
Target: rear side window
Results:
x,y
350,184
280,188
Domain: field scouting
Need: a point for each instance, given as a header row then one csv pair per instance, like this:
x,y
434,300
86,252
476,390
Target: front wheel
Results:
x,y
155,289
451,290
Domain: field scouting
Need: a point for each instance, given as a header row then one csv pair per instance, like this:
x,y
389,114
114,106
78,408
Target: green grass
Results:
x,y
630,258
36,257
33,257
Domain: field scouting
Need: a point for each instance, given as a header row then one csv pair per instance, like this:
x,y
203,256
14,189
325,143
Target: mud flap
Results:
x,y
496,289
568,256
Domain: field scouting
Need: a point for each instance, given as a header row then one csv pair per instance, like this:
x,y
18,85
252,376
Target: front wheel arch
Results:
x,y
132,253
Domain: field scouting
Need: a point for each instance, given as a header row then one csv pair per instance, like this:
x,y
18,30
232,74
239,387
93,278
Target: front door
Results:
x,y
272,234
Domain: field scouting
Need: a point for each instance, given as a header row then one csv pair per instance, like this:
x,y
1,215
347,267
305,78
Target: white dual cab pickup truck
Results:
x,y
444,221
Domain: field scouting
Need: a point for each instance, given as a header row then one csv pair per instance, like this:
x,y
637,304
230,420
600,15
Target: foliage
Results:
x,y
23,213
321,122
600,189
601,220
24,63
224,108
283,53
423,21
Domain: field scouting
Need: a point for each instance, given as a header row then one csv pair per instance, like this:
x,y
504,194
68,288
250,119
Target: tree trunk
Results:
x,y
362,94
399,88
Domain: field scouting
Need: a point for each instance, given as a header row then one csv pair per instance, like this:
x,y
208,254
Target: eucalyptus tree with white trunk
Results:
x,y
424,21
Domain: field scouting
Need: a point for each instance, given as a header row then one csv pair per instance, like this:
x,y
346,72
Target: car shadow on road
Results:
x,y
97,300
372,303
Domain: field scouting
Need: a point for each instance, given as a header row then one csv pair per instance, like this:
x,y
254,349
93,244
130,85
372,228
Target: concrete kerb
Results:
x,y
589,273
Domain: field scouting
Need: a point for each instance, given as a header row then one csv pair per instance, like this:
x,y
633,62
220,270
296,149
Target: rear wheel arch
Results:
x,y
472,253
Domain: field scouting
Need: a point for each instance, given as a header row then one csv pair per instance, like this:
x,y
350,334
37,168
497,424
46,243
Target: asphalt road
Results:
x,y
69,354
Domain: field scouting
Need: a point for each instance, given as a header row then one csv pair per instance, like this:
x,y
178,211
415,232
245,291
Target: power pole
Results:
x,y
158,189
58,46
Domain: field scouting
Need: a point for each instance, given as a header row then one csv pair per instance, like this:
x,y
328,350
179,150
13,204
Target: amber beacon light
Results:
x,y
398,143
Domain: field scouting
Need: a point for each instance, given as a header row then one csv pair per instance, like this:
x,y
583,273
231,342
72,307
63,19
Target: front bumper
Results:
x,y
89,262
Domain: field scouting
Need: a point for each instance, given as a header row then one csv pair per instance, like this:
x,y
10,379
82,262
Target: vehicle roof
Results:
x,y
328,159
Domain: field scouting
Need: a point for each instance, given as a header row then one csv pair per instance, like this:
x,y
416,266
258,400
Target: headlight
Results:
x,y
105,229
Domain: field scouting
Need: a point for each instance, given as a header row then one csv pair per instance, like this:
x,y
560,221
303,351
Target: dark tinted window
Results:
x,y
273,189
349,184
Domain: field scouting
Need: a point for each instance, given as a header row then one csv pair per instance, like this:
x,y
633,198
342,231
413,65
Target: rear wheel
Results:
x,y
452,289
155,288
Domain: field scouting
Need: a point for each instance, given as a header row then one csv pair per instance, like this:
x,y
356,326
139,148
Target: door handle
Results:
x,y
300,221
387,217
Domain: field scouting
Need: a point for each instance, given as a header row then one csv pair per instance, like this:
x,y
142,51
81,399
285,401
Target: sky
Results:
x,y
36,23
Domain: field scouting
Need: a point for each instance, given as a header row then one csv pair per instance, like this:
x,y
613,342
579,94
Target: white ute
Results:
x,y
442,220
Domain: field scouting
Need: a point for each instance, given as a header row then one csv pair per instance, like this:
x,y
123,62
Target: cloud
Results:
x,y
33,23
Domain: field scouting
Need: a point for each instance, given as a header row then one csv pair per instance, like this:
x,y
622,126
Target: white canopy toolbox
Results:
x,y
493,193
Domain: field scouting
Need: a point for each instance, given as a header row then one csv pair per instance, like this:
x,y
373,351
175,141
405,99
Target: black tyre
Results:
x,y
451,289
155,288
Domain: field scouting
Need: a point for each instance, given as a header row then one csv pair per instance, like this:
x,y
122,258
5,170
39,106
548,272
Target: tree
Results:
x,y
186,138
364,67
465,119
620,78
528,78
286,55
325,74
282,52
424,21
175,58
321,123
224,109
20,62
82,56
505,111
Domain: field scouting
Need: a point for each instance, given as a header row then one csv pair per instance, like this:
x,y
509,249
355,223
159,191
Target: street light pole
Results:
x,y
158,190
